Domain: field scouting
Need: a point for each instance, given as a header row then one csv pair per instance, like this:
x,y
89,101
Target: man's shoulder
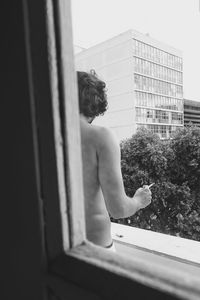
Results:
x,y
104,136
102,132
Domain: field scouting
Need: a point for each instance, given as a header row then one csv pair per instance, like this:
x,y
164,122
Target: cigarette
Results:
x,y
151,185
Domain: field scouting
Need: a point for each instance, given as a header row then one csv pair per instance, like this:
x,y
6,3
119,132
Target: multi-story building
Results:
x,y
191,112
144,79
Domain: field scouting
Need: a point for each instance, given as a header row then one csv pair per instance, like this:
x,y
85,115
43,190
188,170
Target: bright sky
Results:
x,y
174,22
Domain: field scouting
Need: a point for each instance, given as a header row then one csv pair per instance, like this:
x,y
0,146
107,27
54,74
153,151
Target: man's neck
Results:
x,y
86,119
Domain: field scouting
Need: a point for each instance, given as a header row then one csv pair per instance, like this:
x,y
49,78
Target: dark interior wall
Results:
x,y
22,259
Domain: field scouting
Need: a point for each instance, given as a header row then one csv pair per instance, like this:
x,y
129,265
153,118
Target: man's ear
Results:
x,y
91,119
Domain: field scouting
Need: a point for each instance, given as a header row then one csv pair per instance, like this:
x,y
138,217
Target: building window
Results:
x,y
157,55
177,118
158,86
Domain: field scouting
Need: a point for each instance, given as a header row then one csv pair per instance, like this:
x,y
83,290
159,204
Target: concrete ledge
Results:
x,y
162,243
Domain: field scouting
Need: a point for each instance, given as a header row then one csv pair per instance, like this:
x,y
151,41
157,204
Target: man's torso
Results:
x,y
97,218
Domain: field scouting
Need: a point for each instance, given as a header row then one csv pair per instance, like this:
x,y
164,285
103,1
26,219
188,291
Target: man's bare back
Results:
x,y
97,217
103,184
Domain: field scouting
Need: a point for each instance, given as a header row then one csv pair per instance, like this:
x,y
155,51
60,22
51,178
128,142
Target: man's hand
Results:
x,y
142,196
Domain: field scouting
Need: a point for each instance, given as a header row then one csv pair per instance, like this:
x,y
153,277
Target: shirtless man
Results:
x,y
103,184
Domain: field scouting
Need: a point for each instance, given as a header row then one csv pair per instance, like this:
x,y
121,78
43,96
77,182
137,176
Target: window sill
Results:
x,y
167,245
115,276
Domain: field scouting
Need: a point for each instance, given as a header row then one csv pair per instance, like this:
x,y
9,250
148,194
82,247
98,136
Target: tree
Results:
x,y
186,161
174,166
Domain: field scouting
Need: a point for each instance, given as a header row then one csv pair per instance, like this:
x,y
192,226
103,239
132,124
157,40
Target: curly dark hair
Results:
x,y
92,94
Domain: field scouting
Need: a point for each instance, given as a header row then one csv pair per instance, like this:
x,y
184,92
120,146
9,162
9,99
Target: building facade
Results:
x,y
144,79
191,112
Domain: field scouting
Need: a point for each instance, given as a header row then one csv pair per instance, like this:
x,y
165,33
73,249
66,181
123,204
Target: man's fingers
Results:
x,y
145,186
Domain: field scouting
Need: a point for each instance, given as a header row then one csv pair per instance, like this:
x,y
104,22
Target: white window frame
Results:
x,y
70,257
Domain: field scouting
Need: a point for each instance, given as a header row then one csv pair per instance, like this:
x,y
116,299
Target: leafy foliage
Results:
x,y
174,166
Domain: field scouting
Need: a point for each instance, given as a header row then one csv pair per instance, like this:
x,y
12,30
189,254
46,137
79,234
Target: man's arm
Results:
x,y
119,205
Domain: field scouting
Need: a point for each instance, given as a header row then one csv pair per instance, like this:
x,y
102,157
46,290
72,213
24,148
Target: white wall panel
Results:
x,y
120,86
119,118
121,102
